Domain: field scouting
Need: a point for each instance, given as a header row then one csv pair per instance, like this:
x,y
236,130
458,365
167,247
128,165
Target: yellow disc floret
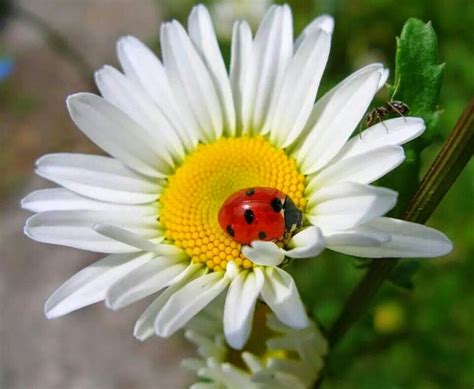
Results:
x,y
195,193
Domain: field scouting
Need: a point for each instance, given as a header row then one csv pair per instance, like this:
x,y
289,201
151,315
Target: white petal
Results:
x,y
133,239
323,22
142,66
242,68
383,78
127,96
307,243
270,378
74,229
348,204
391,132
264,253
98,177
408,240
204,38
363,168
142,282
309,342
236,377
116,133
334,118
207,346
280,293
239,306
300,84
91,284
253,363
60,199
188,301
292,372
190,79
358,237
272,51
144,327
225,375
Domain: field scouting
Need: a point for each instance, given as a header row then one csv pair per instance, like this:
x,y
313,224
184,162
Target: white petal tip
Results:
x,y
327,24
162,331
445,246
27,228
264,253
71,99
126,39
53,310
49,313
24,202
384,73
236,341
198,8
141,336
298,321
307,243
77,99
113,305
232,270
303,322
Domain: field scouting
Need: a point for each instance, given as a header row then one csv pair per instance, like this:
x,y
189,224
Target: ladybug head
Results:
x,y
293,216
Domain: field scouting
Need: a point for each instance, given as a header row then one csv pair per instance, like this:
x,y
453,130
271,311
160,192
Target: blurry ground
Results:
x,y
93,348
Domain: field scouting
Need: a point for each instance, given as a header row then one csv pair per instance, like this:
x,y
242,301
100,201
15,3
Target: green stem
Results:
x,y
451,160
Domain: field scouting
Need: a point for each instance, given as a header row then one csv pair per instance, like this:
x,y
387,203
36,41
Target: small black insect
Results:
x,y
389,108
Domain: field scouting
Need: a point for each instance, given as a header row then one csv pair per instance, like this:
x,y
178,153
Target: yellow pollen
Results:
x,y
195,193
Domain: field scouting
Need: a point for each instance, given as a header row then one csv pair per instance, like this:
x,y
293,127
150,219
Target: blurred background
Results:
x,y
420,337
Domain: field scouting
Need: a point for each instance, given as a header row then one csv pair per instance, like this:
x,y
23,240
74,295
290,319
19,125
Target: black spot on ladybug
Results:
x,y
262,235
230,231
250,192
249,216
276,204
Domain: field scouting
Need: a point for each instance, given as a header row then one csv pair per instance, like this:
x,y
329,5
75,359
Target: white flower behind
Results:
x,y
291,358
183,135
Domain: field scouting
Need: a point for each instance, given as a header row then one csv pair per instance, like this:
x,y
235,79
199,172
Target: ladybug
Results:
x,y
259,214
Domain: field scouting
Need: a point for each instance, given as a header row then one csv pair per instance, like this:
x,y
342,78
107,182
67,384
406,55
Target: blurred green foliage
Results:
x,y
423,337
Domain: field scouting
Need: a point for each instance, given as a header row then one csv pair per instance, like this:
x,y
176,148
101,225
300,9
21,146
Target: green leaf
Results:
x,y
403,273
418,75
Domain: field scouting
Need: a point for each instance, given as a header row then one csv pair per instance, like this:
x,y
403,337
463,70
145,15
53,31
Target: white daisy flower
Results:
x,y
183,136
276,357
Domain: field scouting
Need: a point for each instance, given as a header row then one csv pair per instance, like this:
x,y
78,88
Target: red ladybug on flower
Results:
x,y
259,214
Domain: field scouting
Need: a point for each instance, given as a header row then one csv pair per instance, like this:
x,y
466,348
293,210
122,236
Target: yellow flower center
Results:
x,y
195,193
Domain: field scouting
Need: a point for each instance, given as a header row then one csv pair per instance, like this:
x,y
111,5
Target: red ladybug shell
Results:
x,y
254,214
